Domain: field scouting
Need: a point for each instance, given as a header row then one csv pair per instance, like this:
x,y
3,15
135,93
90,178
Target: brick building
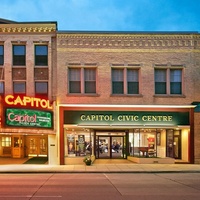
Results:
x,y
137,91
113,95
27,87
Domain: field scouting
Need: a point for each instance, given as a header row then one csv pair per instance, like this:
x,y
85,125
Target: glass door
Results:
x,y
117,149
110,147
103,147
177,144
173,144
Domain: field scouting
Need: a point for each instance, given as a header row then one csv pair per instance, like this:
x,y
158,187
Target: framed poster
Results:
x,y
158,139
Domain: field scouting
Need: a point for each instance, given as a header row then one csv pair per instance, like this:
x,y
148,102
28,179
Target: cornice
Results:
x,y
183,41
27,28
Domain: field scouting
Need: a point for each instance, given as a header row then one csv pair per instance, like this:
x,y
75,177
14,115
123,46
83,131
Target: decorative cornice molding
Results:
x,y
184,41
27,28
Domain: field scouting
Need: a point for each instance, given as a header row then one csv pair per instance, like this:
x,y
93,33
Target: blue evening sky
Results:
x,y
107,15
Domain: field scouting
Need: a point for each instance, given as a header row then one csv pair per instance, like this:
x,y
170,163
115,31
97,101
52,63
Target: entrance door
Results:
x,y
18,147
109,147
36,146
177,145
173,144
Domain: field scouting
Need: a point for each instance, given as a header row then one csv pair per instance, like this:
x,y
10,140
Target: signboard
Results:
x,y
28,118
125,118
27,102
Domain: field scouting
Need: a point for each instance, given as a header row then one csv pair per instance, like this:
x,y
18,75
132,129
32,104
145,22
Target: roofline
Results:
x,y
130,32
5,21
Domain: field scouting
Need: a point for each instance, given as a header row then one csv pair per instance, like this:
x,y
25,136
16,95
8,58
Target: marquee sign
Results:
x,y
26,101
28,118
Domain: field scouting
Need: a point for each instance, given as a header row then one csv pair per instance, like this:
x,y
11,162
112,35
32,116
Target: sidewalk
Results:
x,y
101,168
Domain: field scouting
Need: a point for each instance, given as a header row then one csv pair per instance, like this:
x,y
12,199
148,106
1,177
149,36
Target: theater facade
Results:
x,y
27,107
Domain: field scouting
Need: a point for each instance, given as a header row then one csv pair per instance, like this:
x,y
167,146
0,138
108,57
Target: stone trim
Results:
x,y
27,28
129,41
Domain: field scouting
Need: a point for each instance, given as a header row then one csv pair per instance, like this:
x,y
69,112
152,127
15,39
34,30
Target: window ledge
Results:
x,y
41,66
169,96
83,95
126,95
18,66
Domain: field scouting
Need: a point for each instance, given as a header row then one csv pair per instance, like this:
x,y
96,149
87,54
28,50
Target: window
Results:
x,y
41,55
19,87
1,55
160,81
82,80
90,80
77,142
143,143
168,81
41,89
19,55
6,142
117,81
132,81
175,81
120,86
75,80
1,87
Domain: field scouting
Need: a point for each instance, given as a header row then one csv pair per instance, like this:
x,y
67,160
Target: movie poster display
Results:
x,y
81,144
71,144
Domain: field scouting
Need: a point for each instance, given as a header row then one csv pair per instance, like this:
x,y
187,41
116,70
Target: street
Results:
x,y
99,186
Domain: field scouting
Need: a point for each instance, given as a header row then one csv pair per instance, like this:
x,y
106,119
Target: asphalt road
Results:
x,y
87,186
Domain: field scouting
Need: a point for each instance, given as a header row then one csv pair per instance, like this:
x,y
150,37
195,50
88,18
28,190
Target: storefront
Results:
x,y
118,132
26,124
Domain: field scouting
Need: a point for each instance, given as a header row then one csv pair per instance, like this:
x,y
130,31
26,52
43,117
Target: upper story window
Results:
x,y
125,81
41,55
90,80
1,87
160,81
19,87
82,80
1,55
175,81
41,89
19,55
168,81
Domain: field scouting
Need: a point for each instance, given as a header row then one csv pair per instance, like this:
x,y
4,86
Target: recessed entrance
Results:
x,y
110,145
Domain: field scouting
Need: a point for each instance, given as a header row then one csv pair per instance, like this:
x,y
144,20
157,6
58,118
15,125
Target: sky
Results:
x,y
107,15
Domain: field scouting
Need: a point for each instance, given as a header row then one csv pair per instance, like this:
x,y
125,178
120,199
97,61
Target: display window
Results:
x,y
77,143
159,143
143,142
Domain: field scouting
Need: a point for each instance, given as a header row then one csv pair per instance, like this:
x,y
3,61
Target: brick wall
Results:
x,y
145,51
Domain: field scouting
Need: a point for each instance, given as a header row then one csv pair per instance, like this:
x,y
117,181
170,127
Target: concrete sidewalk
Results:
x,y
101,168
